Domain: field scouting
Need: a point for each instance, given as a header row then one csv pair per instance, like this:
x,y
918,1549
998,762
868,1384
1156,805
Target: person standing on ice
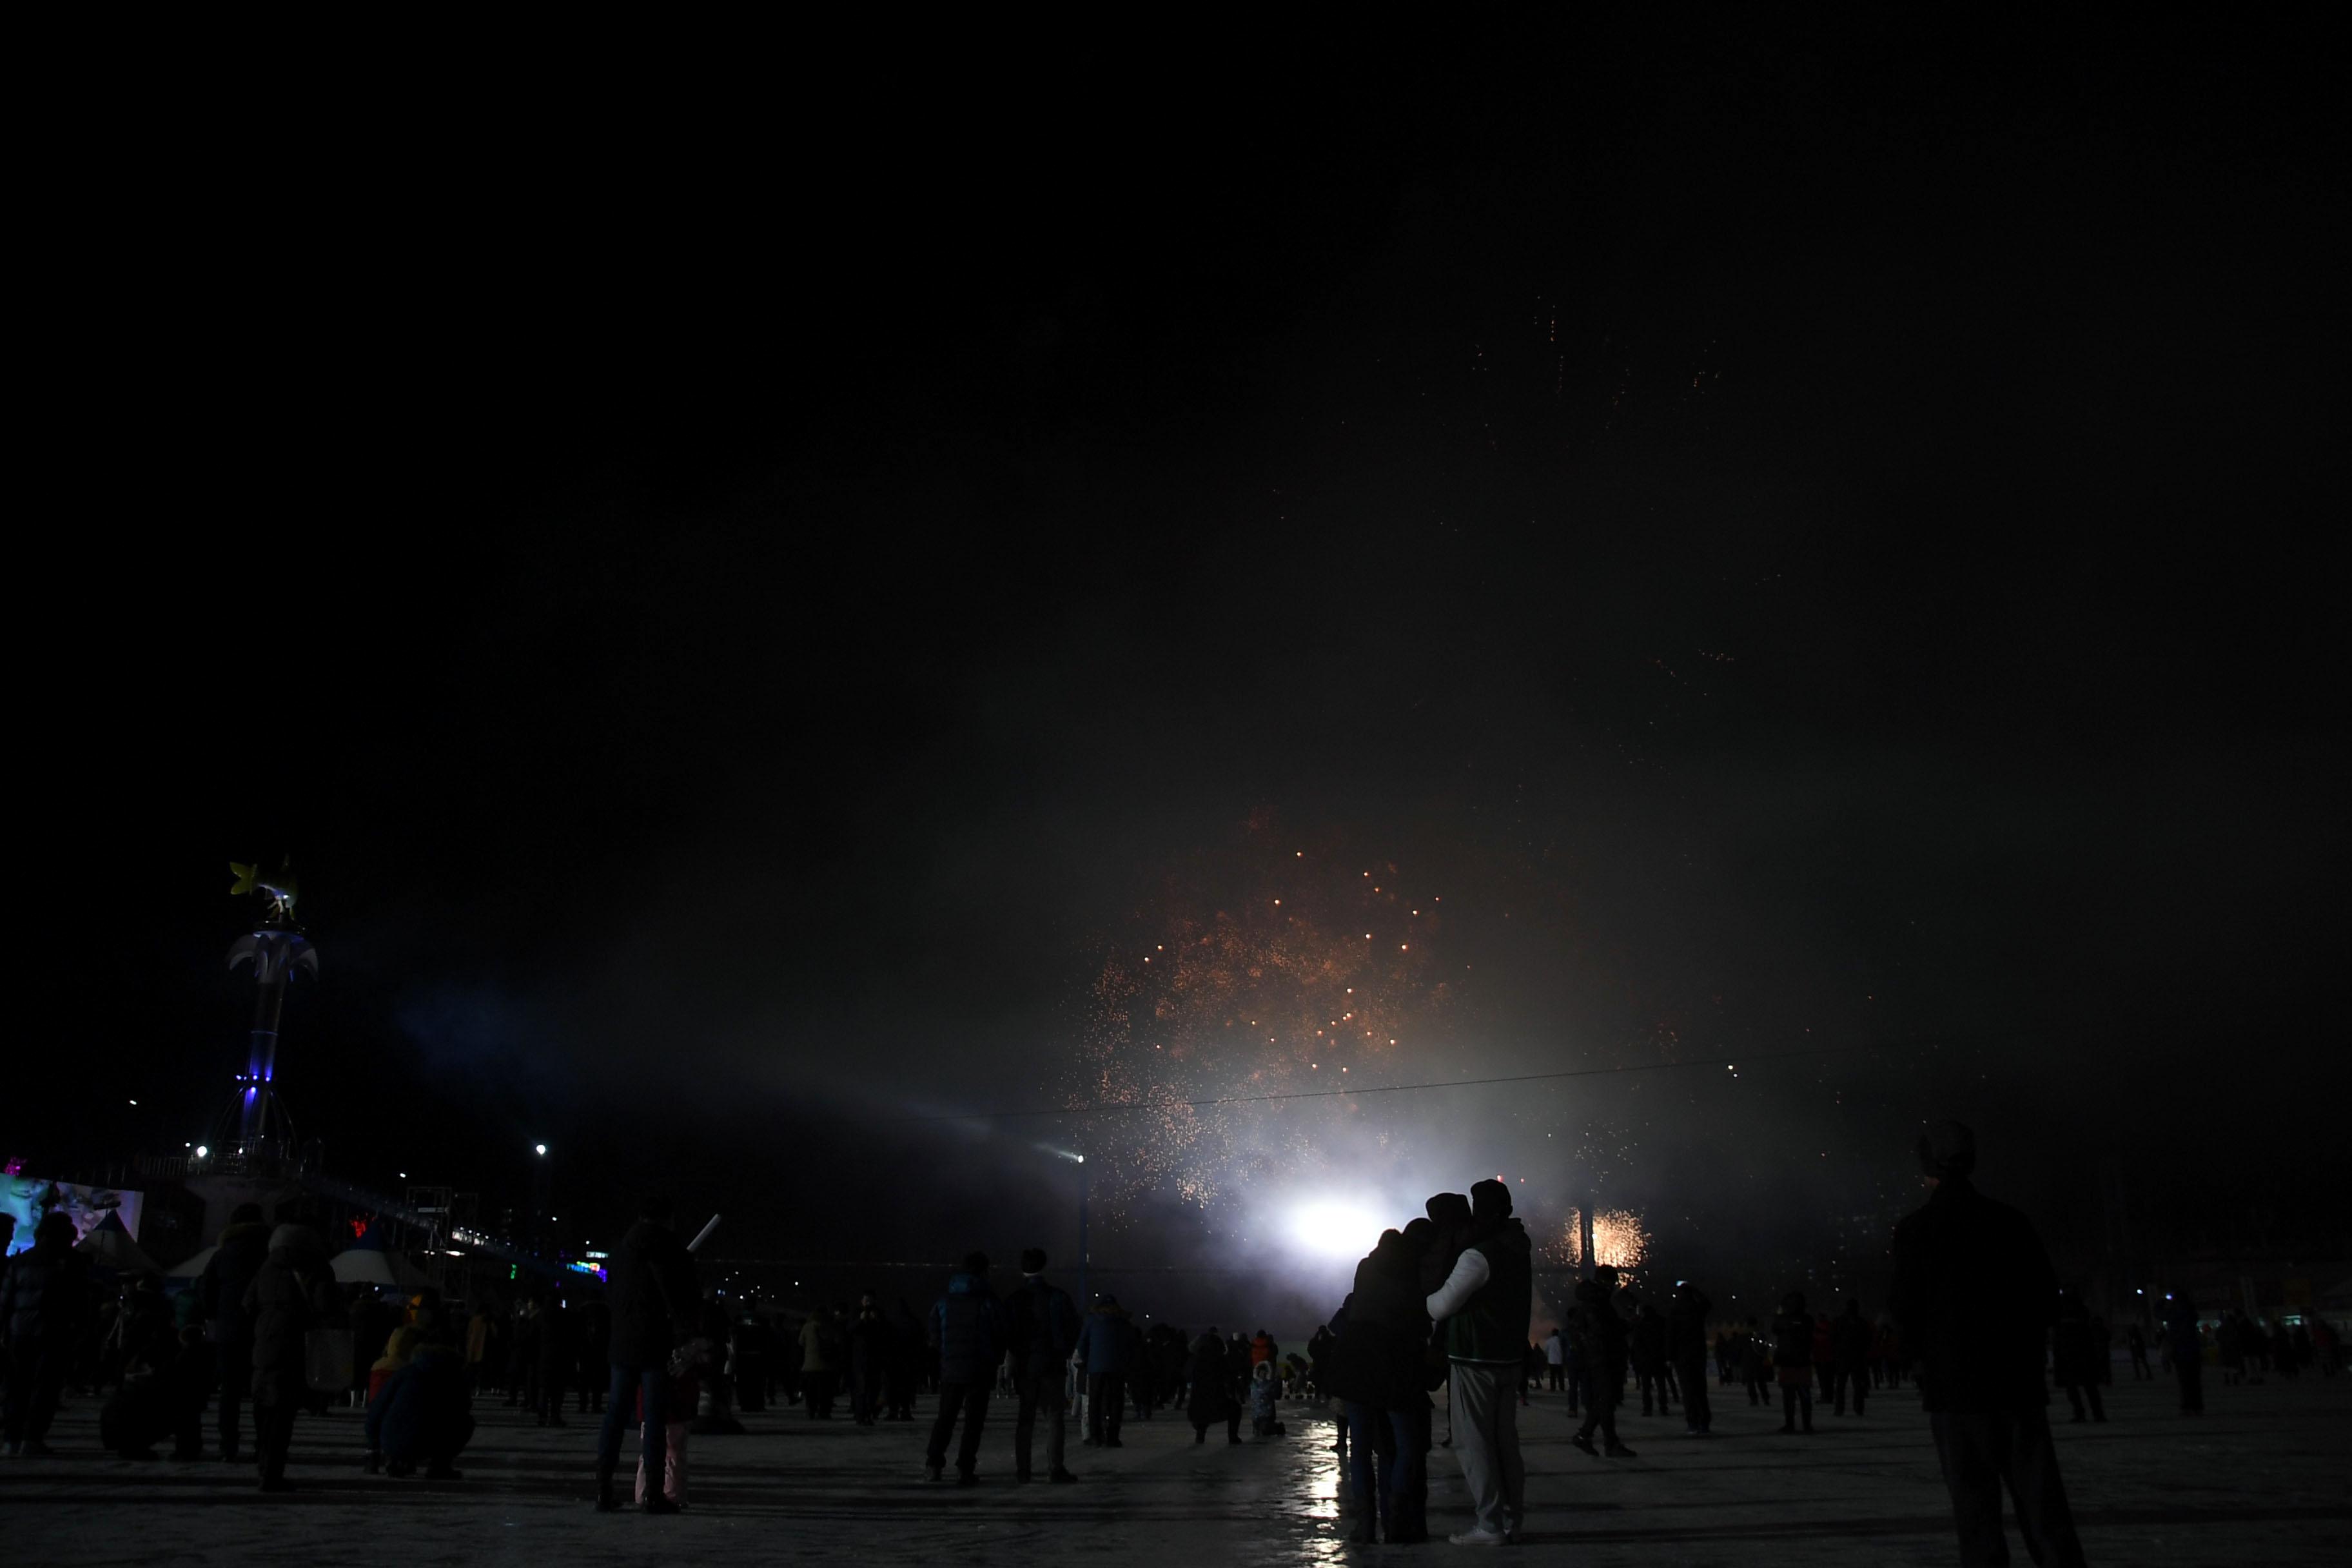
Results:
x,y
1486,1304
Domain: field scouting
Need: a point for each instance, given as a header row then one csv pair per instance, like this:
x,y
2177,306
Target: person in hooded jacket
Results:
x,y
45,1303
1373,1365
1041,1330
1974,1296
655,1308
236,1257
1600,1338
1208,1392
293,1292
1486,1305
1686,1349
969,1334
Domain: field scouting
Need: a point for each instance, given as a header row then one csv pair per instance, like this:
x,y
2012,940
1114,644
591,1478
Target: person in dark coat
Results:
x,y
293,1293
1648,1339
420,1416
1599,1336
45,1305
559,1353
2185,1347
654,1307
1850,1341
1686,1349
236,1257
1374,1363
1974,1297
1041,1330
145,1407
1792,1361
593,1359
869,1360
965,1327
1106,1350
2074,1360
1209,1396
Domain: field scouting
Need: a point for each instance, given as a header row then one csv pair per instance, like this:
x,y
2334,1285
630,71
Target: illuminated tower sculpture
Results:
x,y
275,950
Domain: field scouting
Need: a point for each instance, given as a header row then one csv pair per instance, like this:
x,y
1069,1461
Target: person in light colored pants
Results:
x,y
673,1484
1485,1422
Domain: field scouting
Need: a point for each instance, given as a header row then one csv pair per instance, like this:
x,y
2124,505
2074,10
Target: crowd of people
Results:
x,y
1976,1320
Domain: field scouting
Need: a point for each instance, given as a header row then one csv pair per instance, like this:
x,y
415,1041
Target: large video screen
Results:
x,y
28,1197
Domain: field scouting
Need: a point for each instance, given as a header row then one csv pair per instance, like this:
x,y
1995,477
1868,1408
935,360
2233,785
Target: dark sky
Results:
x,y
739,582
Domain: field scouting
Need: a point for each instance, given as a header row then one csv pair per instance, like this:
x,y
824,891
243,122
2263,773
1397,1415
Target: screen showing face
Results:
x,y
27,1198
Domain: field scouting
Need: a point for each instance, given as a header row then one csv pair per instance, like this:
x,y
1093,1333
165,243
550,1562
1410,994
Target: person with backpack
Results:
x,y
1041,1330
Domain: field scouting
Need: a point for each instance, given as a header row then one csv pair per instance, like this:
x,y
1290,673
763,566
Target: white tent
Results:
x,y
109,1246
374,1265
194,1268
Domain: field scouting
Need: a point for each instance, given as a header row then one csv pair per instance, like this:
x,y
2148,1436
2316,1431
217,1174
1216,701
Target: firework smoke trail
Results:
x,y
1277,970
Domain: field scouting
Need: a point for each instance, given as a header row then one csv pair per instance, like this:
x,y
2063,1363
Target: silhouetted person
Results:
x,y
236,1257
653,1307
45,1304
1850,1341
1485,1305
1041,1330
1209,1396
1647,1337
1792,1361
2073,1355
1375,1365
1106,1351
1599,1334
293,1293
1974,1296
2187,1348
965,1329
1686,1349
2137,1342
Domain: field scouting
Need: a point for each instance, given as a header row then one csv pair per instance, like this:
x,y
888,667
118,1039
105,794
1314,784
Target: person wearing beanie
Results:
x,y
1974,1297
1486,1304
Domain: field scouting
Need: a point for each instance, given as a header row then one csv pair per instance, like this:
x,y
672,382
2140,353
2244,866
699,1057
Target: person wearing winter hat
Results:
x,y
1974,1297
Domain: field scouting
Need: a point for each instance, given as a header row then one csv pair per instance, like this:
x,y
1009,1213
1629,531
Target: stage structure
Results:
x,y
256,1128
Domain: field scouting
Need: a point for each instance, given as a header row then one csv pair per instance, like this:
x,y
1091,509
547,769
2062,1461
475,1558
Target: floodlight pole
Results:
x,y
1086,1302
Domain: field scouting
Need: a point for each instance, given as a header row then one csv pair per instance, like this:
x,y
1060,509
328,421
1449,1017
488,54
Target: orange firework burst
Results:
x,y
1279,970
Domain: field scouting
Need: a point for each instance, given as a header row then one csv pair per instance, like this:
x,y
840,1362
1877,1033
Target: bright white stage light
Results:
x,y
1335,1230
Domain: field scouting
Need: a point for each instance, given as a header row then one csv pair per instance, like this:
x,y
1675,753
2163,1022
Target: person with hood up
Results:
x,y
236,1257
1850,1341
1208,1389
1486,1304
293,1293
1106,1350
1041,1330
968,1334
1602,1350
1686,1348
44,1300
654,1307
1792,1361
1974,1296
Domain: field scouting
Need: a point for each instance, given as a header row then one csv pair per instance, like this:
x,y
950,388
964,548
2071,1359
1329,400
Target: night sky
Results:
x,y
747,598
